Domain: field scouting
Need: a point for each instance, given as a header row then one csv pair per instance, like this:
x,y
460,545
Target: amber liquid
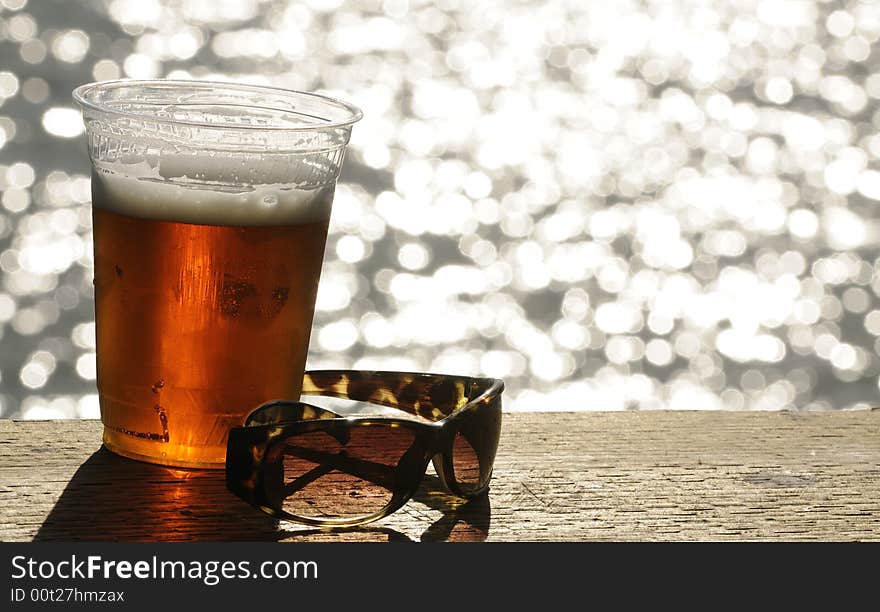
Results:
x,y
196,326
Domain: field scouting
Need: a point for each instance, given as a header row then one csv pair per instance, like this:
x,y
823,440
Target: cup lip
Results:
x,y
80,97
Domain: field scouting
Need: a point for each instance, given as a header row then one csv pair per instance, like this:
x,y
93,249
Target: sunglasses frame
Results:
x,y
250,447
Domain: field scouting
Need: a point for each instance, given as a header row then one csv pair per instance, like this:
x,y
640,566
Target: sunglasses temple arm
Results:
x,y
309,477
326,462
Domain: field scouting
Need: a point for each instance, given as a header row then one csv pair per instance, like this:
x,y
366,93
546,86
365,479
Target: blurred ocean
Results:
x,y
611,205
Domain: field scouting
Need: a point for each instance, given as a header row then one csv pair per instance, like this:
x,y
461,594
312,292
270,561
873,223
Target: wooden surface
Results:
x,y
560,476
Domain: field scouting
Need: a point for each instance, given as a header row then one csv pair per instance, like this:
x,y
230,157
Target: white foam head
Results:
x,y
208,190
212,152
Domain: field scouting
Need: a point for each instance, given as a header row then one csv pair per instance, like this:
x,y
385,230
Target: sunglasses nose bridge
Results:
x,y
441,441
433,446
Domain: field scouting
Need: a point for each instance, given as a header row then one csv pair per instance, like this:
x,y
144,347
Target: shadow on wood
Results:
x,y
118,499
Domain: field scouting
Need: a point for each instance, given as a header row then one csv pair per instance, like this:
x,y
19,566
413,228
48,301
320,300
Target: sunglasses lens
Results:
x,y
474,446
340,473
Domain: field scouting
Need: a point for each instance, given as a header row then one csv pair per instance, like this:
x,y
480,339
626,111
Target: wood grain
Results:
x,y
558,476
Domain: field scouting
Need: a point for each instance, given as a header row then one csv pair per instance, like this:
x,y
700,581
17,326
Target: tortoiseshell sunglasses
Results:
x,y
307,464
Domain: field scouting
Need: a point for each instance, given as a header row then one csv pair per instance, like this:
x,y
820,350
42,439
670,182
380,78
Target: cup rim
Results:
x,y
80,97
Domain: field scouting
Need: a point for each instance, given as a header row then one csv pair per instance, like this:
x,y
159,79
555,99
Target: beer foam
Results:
x,y
208,195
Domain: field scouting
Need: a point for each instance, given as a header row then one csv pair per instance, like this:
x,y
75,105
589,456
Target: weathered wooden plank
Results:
x,y
560,476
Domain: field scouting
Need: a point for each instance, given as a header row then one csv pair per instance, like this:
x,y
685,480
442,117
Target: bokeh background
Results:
x,y
611,205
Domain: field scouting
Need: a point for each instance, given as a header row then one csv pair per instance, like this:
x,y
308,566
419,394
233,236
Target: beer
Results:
x,y
210,204
204,306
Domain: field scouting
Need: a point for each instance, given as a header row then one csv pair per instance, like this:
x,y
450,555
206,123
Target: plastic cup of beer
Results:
x,y
210,205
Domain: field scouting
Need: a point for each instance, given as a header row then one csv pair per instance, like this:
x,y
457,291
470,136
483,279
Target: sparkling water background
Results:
x,y
610,205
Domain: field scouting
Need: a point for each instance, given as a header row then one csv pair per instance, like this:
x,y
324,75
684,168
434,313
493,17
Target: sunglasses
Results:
x,y
308,464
